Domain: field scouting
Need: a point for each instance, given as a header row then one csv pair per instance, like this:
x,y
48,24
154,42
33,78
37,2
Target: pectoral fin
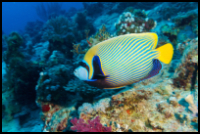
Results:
x,y
100,76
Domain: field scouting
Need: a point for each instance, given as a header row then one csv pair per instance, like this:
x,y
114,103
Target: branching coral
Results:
x,y
77,49
101,35
91,126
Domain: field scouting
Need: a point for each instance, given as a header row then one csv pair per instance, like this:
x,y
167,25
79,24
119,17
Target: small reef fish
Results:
x,y
123,60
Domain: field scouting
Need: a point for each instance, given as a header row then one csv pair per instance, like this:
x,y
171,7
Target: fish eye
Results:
x,y
82,64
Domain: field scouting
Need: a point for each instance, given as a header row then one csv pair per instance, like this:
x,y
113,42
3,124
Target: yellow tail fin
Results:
x,y
166,53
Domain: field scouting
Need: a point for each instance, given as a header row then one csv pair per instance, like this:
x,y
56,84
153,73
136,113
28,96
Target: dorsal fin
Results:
x,y
150,36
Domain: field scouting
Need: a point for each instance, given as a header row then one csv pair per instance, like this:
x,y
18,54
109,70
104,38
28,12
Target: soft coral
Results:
x,y
92,125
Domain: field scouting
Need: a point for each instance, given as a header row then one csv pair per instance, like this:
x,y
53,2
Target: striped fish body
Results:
x,y
124,60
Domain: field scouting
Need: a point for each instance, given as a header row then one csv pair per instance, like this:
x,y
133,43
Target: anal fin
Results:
x,y
100,76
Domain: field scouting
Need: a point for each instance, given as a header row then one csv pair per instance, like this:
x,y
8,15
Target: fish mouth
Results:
x,y
75,72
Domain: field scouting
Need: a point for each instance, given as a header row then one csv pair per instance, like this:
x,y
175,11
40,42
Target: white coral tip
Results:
x,y
189,99
124,30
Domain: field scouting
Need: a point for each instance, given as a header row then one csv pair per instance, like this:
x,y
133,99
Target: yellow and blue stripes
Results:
x,y
125,59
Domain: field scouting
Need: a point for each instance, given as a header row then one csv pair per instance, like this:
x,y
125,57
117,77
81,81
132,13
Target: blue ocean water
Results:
x,y
15,15
46,84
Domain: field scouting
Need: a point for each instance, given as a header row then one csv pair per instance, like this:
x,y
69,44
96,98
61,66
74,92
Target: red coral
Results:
x,y
92,125
45,108
129,24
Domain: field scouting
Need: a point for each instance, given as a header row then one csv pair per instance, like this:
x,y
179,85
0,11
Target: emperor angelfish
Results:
x,y
123,60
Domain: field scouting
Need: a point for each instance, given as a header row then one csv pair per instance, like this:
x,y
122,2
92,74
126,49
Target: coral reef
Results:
x,y
57,29
32,29
141,110
166,10
92,126
55,117
78,50
192,106
170,32
37,71
185,19
87,92
97,106
185,26
41,53
95,8
16,83
99,36
135,21
151,105
188,68
50,85
82,23
61,33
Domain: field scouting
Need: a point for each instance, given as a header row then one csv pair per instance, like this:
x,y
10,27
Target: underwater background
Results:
x,y
42,44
